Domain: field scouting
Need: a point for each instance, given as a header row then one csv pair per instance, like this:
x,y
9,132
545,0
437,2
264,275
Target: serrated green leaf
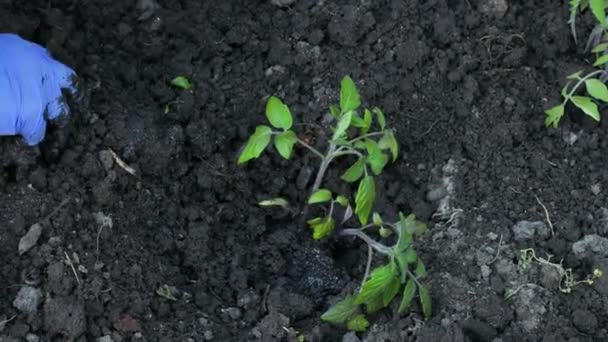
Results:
x,y
574,76
274,202
425,302
381,118
278,113
389,142
334,111
355,171
408,294
391,291
420,271
284,142
554,115
375,286
342,311
375,157
320,196
376,219
601,60
342,200
597,89
181,82
256,144
597,8
600,48
364,199
359,323
587,106
349,96
321,227
343,125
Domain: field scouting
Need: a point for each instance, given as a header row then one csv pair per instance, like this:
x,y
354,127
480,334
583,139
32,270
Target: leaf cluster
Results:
x,y
402,275
595,89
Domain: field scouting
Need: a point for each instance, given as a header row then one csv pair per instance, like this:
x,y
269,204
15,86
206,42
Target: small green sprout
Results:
x,y
181,82
373,145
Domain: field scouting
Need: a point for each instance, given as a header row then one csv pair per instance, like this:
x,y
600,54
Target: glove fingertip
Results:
x,y
33,134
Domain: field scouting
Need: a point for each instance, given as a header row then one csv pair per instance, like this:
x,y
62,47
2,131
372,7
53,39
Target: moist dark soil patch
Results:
x,y
190,257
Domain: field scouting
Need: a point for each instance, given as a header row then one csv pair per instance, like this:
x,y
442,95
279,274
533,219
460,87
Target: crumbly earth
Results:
x,y
179,250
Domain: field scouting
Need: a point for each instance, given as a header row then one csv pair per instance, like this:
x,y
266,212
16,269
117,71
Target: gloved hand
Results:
x,y
31,84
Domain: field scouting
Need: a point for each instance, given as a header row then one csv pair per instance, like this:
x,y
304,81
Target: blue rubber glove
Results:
x,y
30,88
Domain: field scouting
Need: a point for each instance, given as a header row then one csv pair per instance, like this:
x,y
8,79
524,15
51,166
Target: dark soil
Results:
x,y
464,85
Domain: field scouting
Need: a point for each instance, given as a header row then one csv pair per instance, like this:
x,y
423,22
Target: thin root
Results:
x,y
71,264
546,215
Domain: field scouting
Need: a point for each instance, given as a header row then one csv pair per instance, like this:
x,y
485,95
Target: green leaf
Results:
x,y
420,271
343,125
587,105
321,227
389,142
367,120
320,196
376,219
284,143
181,82
355,171
334,111
597,89
402,264
274,202
381,118
364,199
407,227
342,200
357,121
425,301
375,157
385,232
359,323
278,113
256,144
601,60
554,115
375,304
391,291
410,255
408,295
380,278
600,48
349,96
575,76
597,8
342,311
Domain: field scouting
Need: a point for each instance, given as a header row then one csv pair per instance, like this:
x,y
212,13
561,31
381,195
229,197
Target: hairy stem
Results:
x,y
364,136
580,82
380,248
312,149
323,168
368,266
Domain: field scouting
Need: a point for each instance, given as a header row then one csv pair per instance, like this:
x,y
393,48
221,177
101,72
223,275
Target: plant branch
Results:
x,y
580,81
368,266
380,248
365,136
312,149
